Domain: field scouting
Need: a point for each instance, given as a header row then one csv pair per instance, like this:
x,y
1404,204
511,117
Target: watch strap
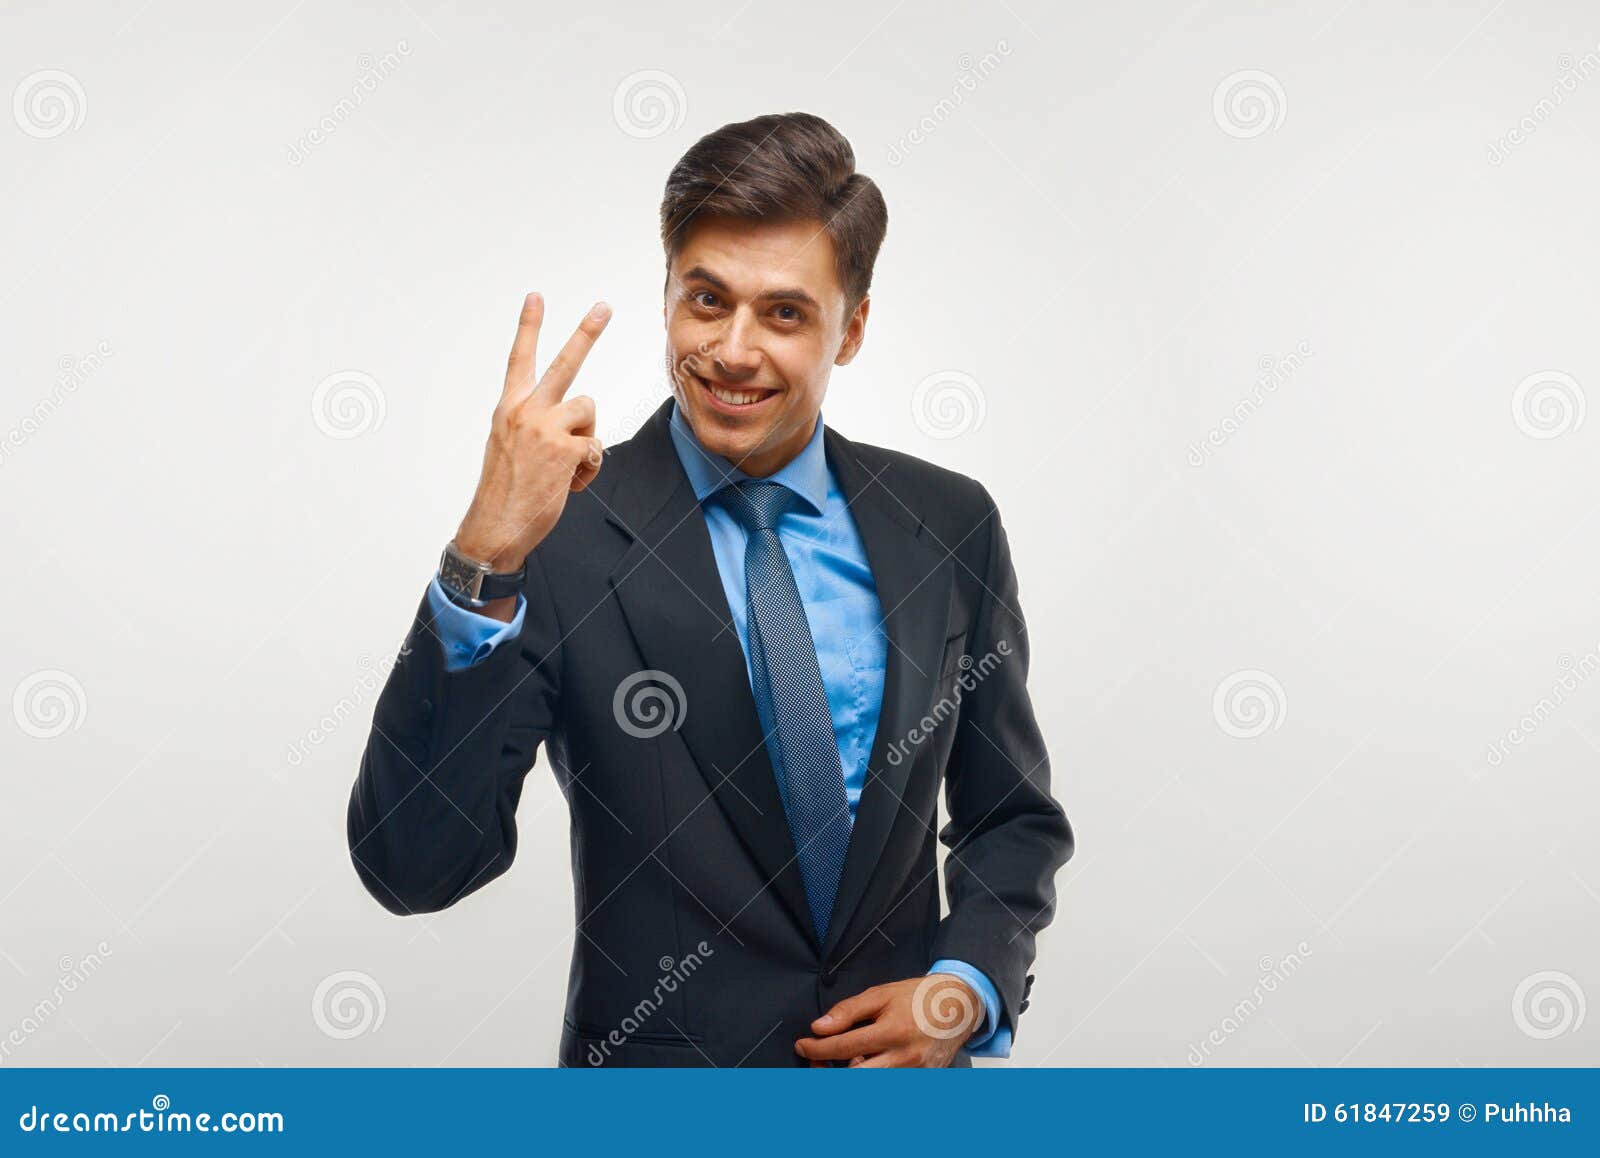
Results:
x,y
471,582
502,584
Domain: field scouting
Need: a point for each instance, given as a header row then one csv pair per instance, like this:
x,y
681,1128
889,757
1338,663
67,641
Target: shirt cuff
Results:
x,y
468,637
992,1038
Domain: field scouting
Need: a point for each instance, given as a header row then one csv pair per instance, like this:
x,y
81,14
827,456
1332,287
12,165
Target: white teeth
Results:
x,y
733,398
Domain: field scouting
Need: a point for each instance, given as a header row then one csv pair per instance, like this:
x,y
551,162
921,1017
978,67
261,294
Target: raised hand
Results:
x,y
541,447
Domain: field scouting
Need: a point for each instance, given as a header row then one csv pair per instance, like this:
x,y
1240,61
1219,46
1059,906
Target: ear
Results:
x,y
855,333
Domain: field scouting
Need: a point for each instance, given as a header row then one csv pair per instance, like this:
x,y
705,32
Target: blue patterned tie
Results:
x,y
790,697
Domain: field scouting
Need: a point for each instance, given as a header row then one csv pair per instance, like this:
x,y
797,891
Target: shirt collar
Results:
x,y
806,474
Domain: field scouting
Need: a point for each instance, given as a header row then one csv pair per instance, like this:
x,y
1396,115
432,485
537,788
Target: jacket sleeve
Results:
x,y
432,815
1006,834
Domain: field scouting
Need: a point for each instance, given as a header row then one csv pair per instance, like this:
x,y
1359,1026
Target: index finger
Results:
x,y
564,368
846,1013
520,367
868,1041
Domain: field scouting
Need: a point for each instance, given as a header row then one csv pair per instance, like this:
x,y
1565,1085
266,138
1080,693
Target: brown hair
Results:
x,y
780,167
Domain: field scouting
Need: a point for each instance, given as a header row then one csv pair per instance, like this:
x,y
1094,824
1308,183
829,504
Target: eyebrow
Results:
x,y
788,294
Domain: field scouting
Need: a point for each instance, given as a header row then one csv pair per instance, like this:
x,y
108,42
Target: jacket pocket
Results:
x,y
954,649
598,1033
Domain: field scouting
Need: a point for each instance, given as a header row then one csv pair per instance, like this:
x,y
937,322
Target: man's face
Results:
x,y
756,322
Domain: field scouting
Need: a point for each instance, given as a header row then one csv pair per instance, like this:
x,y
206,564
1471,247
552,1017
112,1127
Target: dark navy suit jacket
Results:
x,y
694,943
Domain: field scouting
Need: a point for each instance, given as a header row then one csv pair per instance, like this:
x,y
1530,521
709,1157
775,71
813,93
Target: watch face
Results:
x,y
457,575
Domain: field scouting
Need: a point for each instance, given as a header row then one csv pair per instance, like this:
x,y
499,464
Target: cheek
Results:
x,y
802,366
792,355
689,339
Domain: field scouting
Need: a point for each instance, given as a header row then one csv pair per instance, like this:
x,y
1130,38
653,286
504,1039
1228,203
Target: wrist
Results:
x,y
948,1007
476,545
504,610
978,986
478,585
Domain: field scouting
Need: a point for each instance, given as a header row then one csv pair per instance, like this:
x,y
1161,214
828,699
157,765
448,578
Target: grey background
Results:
x,y
1391,531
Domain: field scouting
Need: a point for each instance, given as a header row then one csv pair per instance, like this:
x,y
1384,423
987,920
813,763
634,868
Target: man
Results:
x,y
754,651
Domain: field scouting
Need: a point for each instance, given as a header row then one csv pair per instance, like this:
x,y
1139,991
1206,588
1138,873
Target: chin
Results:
x,y
731,446
728,434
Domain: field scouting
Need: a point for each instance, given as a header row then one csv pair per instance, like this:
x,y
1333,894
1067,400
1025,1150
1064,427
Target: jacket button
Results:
x,y
427,709
828,978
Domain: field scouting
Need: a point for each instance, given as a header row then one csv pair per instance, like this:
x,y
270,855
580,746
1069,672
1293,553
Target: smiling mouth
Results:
x,y
734,400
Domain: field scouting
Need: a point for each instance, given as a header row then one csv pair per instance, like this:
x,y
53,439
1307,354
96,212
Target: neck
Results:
x,y
769,460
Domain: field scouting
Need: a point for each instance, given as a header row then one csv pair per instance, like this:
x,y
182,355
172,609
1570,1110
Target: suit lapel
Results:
x,y
672,597
913,576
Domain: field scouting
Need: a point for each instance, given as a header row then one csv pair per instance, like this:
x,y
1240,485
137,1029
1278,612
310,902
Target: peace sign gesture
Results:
x,y
541,447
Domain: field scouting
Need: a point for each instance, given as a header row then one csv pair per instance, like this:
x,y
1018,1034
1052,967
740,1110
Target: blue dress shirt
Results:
x,y
841,604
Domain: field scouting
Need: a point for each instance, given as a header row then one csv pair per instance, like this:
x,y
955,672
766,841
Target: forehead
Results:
x,y
752,256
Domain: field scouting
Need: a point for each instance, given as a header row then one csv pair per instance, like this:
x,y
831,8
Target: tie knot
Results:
x,y
757,504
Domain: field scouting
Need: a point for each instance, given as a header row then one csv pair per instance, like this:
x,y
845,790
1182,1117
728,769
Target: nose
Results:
x,y
737,354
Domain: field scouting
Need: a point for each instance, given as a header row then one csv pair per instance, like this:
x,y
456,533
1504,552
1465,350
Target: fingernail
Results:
x,y
600,311
825,1019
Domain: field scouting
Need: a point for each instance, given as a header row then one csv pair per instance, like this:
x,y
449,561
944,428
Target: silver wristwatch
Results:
x,y
473,583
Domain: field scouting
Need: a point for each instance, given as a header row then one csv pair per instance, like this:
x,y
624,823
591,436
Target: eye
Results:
x,y
790,314
705,299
